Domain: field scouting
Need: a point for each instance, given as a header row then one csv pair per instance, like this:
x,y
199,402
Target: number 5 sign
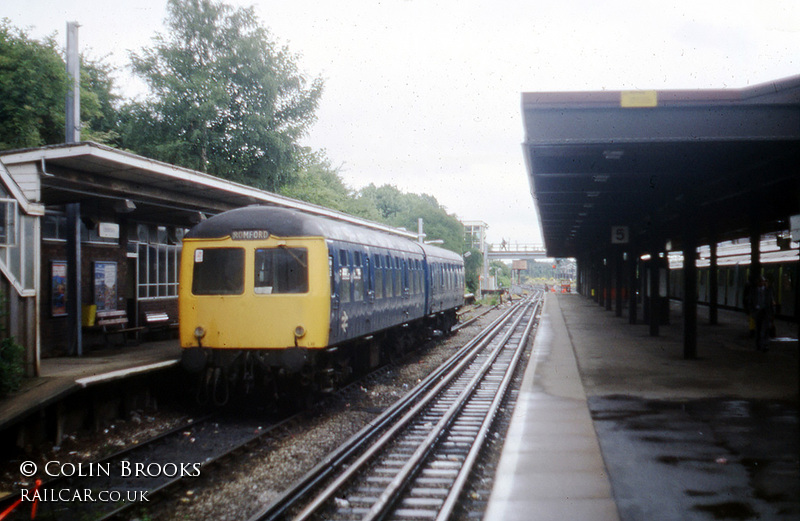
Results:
x,y
620,235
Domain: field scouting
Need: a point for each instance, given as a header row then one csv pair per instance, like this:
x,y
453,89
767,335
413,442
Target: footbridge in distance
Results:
x,y
516,251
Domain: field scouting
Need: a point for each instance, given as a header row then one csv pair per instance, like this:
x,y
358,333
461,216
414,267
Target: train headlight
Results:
x,y
299,332
199,333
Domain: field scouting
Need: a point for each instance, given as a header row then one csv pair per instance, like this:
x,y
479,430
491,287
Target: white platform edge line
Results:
x,y
85,382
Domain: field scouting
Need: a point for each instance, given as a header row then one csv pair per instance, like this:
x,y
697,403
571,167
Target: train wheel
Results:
x,y
392,351
248,375
220,392
344,370
202,387
450,320
397,346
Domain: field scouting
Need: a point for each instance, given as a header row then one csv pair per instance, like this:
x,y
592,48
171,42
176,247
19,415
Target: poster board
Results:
x,y
58,288
105,285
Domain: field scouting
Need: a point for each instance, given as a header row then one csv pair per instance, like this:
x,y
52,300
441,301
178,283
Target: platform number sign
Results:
x,y
620,235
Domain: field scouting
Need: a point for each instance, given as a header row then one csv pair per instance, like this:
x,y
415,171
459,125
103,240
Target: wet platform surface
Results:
x,y
705,439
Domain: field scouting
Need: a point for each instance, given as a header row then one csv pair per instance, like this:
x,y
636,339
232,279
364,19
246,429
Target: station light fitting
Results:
x,y
124,206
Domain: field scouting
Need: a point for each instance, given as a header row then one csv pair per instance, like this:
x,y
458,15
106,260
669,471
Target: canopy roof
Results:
x,y
102,178
662,162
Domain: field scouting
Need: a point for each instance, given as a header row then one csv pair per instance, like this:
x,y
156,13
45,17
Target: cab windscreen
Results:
x,y
281,270
218,271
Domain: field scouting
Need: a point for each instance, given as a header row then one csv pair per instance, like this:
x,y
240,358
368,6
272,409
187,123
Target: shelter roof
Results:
x,y
661,163
103,177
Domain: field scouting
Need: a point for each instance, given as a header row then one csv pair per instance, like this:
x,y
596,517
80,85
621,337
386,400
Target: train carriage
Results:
x,y
278,292
732,281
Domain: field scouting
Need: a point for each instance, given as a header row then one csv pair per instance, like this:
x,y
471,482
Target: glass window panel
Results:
x,y
344,277
218,271
281,270
378,282
358,278
30,251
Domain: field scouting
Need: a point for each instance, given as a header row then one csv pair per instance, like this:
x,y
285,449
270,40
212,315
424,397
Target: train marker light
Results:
x,y
199,333
299,332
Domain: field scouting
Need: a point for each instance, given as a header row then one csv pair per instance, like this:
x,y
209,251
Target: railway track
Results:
x,y
415,459
109,488
203,442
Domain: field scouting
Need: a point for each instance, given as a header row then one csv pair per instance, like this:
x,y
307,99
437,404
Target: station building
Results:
x,y
85,228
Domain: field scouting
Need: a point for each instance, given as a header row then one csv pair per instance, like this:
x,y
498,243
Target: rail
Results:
x,y
437,415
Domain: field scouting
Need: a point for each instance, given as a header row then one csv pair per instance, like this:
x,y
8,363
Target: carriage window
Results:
x,y
344,277
378,277
368,281
330,274
398,281
218,271
281,270
387,265
358,278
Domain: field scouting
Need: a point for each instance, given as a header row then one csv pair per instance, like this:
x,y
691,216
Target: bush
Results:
x,y
491,300
11,366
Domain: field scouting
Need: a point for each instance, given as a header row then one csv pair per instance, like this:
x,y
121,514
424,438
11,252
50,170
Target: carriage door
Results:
x,y
406,291
369,280
333,272
344,296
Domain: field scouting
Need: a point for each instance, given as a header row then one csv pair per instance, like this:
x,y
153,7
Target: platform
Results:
x,y
62,376
612,423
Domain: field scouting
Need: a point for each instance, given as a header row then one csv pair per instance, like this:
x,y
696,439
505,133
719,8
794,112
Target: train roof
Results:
x,y
286,222
441,253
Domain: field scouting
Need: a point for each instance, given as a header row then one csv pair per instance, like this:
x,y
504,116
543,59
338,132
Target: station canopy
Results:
x,y
651,166
106,180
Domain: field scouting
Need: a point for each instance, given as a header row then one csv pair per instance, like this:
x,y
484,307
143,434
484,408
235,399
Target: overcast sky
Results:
x,y
425,94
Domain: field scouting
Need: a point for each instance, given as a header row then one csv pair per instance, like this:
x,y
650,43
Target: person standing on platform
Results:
x,y
763,306
749,291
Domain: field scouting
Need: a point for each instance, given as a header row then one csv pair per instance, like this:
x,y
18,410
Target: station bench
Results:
x,y
159,321
115,322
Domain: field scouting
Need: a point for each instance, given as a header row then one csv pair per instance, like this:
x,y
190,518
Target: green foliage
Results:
x,y
402,210
224,98
33,87
317,182
11,356
503,273
541,270
99,102
11,366
473,264
33,90
491,300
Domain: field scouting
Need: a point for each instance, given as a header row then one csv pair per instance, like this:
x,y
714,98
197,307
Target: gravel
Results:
x,y
241,486
240,491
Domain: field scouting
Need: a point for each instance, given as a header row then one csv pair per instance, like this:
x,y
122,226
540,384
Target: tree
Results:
x,y
502,271
473,264
33,87
33,90
317,182
224,98
99,102
403,210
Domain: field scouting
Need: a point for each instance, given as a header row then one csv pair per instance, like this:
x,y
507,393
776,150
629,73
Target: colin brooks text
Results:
x,y
127,469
